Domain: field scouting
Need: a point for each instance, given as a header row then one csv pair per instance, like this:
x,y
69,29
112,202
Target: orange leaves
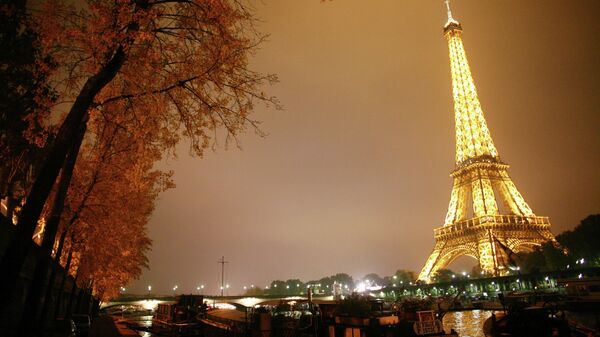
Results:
x,y
112,197
184,73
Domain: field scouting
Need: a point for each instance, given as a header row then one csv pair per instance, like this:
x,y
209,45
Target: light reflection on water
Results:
x,y
143,322
467,323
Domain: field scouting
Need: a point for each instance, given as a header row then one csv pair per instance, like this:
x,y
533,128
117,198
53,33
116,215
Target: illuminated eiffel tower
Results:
x,y
476,225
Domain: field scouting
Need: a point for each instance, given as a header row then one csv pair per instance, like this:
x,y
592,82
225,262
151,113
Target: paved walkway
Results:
x,y
106,326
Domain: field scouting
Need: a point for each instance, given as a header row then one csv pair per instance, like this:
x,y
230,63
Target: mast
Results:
x,y
222,262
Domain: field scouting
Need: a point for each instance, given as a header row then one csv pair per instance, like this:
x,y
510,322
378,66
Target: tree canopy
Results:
x,y
139,76
577,249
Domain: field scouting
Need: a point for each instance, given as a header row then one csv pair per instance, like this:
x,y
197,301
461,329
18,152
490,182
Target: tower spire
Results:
x,y
451,23
449,10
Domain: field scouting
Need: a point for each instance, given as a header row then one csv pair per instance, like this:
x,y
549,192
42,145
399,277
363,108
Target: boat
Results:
x,y
582,304
528,315
179,317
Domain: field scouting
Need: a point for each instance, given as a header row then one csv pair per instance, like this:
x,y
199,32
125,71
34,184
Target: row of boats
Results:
x,y
519,314
294,317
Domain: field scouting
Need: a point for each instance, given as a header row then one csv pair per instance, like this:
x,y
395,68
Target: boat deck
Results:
x,y
228,314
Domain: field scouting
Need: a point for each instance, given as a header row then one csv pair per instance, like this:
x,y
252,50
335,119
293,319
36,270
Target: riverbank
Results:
x,y
107,326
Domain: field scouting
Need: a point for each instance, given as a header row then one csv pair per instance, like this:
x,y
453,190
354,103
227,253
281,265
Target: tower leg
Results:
x,y
431,266
487,260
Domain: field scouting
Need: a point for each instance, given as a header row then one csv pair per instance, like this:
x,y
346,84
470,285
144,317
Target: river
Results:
x,y
465,323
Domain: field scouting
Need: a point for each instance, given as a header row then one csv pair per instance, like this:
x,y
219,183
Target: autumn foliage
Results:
x,y
141,76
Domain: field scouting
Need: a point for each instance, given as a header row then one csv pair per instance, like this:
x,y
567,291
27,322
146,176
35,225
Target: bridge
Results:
x,y
470,286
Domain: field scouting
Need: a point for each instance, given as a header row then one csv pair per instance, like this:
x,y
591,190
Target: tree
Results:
x,y
374,279
180,65
401,276
254,291
575,245
277,287
533,262
343,279
443,275
115,189
294,286
580,242
23,95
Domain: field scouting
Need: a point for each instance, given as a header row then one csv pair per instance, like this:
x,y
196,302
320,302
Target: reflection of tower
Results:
x,y
476,224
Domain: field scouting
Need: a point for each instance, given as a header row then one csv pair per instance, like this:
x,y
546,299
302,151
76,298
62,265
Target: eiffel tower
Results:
x,y
476,225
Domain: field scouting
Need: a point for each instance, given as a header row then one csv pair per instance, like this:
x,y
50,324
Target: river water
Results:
x,y
465,323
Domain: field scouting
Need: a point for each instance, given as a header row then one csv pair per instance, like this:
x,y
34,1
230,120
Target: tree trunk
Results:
x,y
31,317
61,289
69,310
10,208
16,252
50,288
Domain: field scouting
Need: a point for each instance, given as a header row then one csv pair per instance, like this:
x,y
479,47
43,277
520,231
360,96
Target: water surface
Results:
x,y
467,323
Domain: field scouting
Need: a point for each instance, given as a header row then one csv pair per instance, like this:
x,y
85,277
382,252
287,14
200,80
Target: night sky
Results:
x,y
354,173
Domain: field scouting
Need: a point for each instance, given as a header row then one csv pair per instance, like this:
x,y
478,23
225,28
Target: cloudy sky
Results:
x,y
354,173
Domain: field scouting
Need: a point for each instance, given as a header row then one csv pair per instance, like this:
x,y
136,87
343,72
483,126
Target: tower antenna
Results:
x,y
450,18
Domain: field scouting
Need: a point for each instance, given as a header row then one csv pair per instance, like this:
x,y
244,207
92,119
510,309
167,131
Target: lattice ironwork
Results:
x,y
476,224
